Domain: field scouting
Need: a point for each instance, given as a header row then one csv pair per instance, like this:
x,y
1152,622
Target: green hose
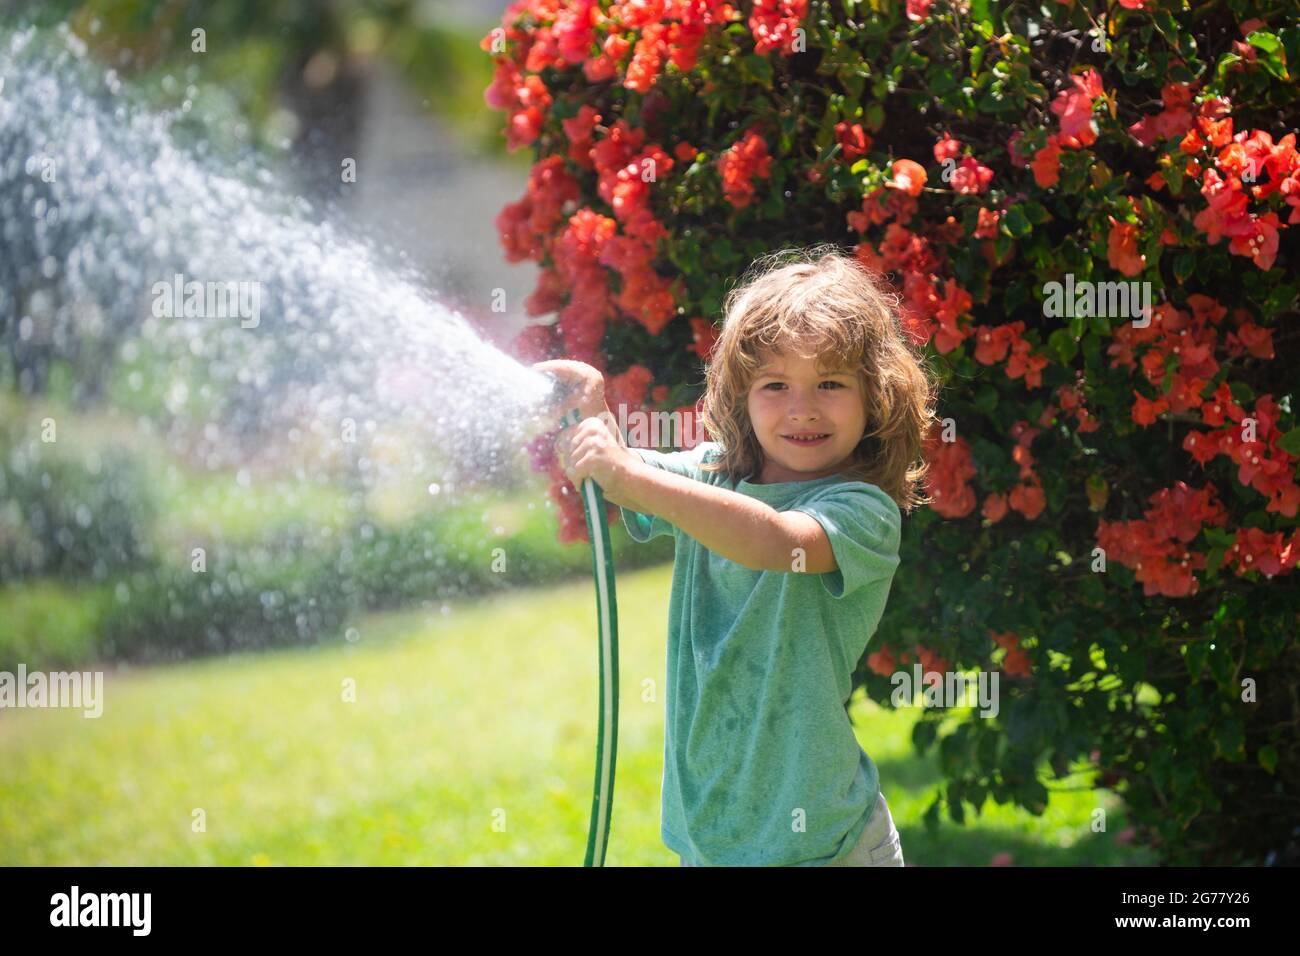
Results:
x,y
602,573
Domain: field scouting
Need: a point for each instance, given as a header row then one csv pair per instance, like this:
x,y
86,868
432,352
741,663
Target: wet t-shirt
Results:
x,y
761,765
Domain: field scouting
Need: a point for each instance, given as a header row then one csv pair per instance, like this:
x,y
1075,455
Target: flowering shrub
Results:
x,y
1087,210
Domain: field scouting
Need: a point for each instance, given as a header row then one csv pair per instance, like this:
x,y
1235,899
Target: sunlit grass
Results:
x,y
485,713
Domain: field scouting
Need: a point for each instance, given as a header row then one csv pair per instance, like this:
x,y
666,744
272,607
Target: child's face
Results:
x,y
791,396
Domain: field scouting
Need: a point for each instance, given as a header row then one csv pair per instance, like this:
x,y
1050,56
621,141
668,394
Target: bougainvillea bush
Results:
x,y
1114,517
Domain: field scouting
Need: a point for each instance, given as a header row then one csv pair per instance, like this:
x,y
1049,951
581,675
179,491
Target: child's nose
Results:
x,y
802,404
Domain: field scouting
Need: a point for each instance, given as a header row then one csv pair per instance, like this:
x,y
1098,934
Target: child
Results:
x,y
787,529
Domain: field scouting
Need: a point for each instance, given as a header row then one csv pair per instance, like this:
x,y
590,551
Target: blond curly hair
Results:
x,y
821,301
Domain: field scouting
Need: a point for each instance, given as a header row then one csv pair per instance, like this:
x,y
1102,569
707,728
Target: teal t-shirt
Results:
x,y
761,766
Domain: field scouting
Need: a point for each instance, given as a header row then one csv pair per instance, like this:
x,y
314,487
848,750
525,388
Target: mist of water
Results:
x,y
225,317
110,232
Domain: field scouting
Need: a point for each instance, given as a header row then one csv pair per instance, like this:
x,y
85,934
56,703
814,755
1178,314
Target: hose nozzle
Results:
x,y
571,417
561,392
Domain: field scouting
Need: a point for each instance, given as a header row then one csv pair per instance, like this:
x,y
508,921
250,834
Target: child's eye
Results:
x,y
833,384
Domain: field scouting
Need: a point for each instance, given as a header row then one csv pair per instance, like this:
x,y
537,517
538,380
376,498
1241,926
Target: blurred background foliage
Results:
x,y
291,72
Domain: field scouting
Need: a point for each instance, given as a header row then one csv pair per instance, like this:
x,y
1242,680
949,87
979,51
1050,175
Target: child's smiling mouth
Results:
x,y
807,439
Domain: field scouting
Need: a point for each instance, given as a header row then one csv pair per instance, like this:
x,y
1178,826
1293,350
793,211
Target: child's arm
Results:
x,y
742,529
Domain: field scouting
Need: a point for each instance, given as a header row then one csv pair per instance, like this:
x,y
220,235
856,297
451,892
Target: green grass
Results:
x,y
485,712
215,506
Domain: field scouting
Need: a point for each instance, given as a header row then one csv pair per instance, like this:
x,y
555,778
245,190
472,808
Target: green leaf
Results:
x,y
1271,47
1229,740
854,82
758,68
923,734
1268,757
931,815
1036,213
1290,37
1290,442
1219,537
955,810
1279,300
1015,222
1017,295
1242,393
1221,70
1184,266
1063,344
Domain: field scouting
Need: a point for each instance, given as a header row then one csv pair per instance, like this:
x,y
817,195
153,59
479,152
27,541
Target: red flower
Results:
x,y
774,22
1074,108
946,482
946,149
1016,663
1028,499
1047,163
1260,242
705,338
1146,411
1016,158
882,661
909,176
971,176
628,388
743,160
988,224
933,667
1121,248
647,58
853,140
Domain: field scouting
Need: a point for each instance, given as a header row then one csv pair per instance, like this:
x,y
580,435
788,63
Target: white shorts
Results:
x,y
879,844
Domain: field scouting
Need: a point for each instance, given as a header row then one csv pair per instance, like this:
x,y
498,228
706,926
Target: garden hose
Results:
x,y
602,572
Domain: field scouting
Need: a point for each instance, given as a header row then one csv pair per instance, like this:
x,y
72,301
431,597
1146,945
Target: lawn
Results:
x,y
470,742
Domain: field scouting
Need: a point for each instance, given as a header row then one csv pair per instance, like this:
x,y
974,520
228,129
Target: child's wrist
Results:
x,y
630,475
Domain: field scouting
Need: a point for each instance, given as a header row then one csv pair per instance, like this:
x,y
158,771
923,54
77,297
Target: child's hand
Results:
x,y
593,448
586,385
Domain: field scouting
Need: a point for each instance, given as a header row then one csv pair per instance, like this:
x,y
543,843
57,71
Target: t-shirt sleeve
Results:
x,y
643,527
863,525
